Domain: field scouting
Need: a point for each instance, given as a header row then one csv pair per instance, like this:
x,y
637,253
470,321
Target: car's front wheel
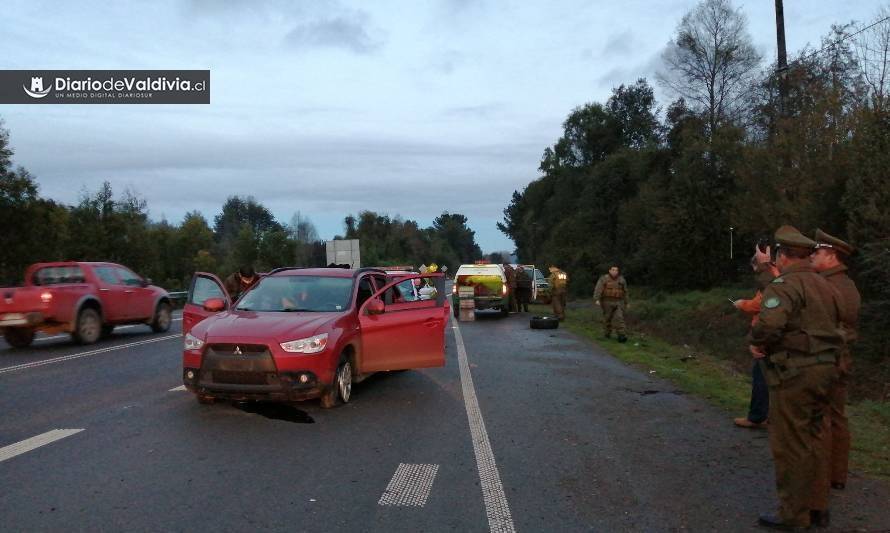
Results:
x,y
340,390
88,328
163,318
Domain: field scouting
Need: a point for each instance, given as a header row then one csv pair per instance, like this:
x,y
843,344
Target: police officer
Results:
x,y
239,282
798,336
559,281
523,288
829,260
512,301
611,295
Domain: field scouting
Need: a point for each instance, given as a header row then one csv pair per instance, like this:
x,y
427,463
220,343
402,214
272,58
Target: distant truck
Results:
x,y
86,300
344,252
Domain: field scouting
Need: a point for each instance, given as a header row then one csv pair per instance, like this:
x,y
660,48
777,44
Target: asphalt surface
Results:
x,y
572,439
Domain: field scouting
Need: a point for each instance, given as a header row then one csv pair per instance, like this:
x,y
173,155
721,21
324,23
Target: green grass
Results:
x,y
656,345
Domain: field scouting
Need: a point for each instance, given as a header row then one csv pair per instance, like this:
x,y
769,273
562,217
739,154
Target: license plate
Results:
x,y
13,319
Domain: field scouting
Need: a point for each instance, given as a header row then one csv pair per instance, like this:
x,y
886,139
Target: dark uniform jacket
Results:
x,y
610,288
851,301
799,317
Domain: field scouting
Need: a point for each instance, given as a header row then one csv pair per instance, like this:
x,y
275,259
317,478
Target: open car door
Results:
x,y
399,334
203,287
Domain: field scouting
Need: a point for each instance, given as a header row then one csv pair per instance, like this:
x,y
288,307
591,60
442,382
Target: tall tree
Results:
x,y
711,61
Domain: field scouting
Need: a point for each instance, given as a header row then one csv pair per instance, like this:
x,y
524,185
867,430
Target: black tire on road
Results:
x,y
88,328
340,390
162,319
505,312
543,322
19,337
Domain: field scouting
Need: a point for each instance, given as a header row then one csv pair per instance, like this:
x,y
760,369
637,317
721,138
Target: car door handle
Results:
x,y
128,292
103,290
431,322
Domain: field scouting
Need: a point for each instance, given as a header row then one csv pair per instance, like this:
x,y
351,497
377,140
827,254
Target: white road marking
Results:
x,y
410,486
496,507
85,354
8,452
175,389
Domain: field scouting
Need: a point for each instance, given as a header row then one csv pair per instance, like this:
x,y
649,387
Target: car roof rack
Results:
x,y
283,269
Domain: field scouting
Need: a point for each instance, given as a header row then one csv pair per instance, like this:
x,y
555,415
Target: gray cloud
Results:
x,y
348,32
618,45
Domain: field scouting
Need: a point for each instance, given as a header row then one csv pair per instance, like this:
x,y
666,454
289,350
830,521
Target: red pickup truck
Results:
x,y
86,300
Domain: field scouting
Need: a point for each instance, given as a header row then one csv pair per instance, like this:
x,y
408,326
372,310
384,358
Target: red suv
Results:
x,y
306,333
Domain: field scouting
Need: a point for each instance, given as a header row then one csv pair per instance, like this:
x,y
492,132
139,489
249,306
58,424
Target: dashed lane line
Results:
x,y
496,507
86,354
8,452
176,389
410,486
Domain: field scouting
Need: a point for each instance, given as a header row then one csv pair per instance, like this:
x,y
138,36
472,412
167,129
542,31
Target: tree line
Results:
x,y
678,196
103,226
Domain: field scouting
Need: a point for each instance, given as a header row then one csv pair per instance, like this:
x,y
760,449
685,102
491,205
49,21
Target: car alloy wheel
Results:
x,y
344,381
163,318
89,326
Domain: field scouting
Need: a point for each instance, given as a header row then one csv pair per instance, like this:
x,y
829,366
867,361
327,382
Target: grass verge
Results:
x,y
718,381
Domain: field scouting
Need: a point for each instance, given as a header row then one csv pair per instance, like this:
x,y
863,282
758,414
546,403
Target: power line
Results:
x,y
839,41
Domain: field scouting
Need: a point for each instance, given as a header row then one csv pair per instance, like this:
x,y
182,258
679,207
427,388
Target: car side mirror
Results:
x,y
376,307
214,305
146,282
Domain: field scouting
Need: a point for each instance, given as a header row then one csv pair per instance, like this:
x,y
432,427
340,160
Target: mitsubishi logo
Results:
x,y
237,350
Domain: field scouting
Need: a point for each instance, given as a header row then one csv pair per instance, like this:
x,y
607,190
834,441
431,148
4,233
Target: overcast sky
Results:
x,y
331,107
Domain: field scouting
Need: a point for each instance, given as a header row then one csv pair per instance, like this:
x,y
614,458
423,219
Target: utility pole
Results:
x,y
782,69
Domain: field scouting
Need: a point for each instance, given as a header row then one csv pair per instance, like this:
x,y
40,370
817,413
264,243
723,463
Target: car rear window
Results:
x,y
59,275
298,293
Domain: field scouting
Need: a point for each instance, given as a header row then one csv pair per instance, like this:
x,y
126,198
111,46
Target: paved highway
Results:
x,y
522,430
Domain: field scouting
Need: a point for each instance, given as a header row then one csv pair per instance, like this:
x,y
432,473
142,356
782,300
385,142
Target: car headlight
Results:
x,y
191,342
314,344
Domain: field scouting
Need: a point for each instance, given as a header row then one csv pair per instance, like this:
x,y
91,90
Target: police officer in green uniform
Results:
x,y
559,281
828,260
798,336
611,295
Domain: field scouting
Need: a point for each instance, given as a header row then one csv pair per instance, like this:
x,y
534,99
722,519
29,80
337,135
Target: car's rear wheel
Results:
x,y
340,390
163,318
19,337
88,328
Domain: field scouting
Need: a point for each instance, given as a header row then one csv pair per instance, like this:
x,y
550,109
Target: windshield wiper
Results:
x,y
297,310
242,309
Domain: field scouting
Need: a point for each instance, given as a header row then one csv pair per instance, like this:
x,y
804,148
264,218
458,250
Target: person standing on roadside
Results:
x,y
758,408
611,295
510,274
239,282
523,288
829,260
797,334
559,281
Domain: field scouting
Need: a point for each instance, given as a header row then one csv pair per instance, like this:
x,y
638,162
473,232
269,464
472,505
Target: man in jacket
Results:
x,y
611,295
798,335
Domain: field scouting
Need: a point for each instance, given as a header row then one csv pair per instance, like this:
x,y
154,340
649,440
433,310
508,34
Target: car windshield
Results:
x,y
298,293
